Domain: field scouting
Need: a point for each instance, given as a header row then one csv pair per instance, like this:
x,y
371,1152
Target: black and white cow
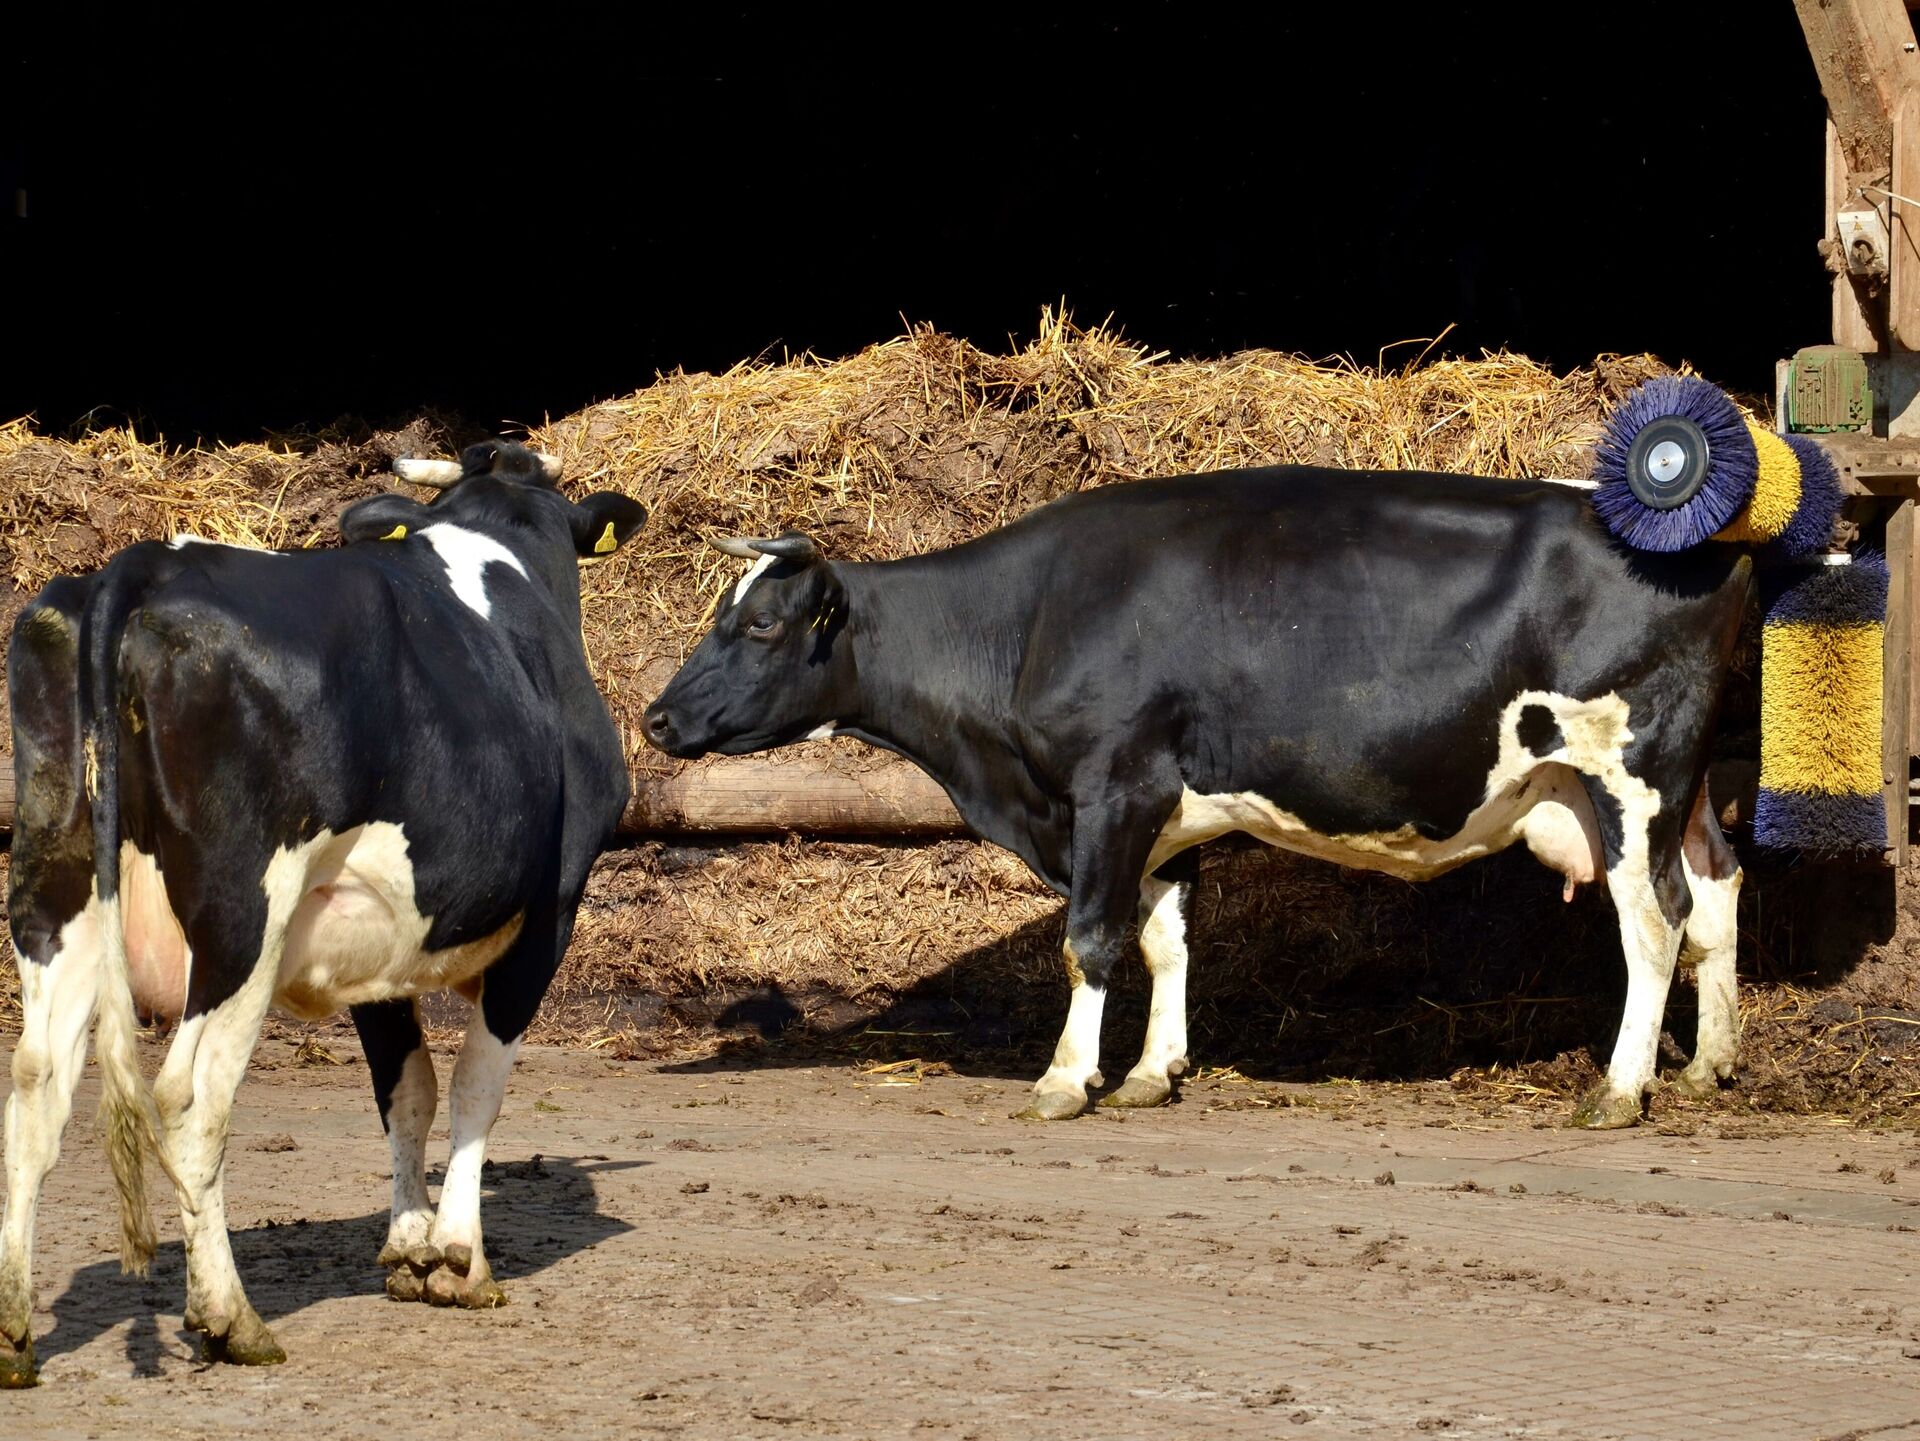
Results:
x,y
1399,672
309,779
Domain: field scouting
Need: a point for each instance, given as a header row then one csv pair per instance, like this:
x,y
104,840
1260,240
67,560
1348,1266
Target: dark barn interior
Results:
x,y
218,230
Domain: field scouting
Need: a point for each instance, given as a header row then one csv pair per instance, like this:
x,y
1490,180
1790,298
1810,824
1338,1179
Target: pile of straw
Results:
x,y
917,443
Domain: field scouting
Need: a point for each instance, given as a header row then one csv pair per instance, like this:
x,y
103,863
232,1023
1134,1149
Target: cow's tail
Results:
x,y
129,1121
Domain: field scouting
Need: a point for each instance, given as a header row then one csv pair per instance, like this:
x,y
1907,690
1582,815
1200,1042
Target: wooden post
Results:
x,y
1896,694
1864,53
1903,233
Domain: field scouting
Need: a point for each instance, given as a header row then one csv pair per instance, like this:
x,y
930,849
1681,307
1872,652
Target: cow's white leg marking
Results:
x,y
1163,943
194,1095
1651,946
409,1117
1711,942
479,1084
57,998
1062,1091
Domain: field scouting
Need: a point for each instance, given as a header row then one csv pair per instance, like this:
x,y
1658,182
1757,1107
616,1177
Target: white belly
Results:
x,y
1537,799
356,934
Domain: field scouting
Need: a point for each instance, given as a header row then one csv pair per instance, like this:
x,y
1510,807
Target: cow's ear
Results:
x,y
383,517
603,522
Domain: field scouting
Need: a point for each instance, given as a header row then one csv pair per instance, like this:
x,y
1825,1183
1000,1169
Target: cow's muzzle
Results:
x,y
657,726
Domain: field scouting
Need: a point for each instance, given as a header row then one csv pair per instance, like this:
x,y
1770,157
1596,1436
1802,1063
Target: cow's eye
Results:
x,y
763,626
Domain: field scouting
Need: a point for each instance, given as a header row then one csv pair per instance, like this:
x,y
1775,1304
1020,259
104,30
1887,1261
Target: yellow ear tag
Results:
x,y
399,532
606,543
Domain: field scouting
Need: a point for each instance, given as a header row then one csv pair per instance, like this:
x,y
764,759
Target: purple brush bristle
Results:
x,y
1811,528
1733,468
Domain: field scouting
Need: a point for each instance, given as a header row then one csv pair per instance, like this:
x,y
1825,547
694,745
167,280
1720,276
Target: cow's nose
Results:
x,y
658,726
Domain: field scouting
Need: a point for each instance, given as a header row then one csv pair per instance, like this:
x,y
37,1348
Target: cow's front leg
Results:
x,y
1163,942
405,1090
1111,844
1653,911
456,1261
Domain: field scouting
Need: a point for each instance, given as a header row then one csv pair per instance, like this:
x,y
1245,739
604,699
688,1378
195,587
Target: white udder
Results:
x,y
357,934
1528,797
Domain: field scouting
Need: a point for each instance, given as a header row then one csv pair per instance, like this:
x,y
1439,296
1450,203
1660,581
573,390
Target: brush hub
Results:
x,y
1667,462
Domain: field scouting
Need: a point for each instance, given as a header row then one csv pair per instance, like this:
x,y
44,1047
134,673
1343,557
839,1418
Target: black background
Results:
x,y
273,219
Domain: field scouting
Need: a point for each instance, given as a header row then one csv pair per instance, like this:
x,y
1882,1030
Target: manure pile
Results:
x,y
950,950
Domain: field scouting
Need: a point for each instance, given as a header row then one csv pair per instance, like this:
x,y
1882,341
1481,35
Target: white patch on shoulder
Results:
x,y
1576,484
1529,797
356,933
822,732
760,567
466,555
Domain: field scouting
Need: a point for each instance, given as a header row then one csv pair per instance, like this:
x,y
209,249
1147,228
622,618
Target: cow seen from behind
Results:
x,y
310,780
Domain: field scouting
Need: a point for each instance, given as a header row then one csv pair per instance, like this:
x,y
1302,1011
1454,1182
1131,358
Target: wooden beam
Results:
x,y
754,796
1860,51
1903,231
1858,317
1872,464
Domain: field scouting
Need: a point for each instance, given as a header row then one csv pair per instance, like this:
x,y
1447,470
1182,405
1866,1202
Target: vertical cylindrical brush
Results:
x,y
1820,701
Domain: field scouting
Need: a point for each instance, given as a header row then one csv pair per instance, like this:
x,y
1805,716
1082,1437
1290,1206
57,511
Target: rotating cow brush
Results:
x,y
1820,675
1679,465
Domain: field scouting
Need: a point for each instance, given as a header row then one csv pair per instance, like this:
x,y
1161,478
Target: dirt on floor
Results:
x,y
1301,971
753,1249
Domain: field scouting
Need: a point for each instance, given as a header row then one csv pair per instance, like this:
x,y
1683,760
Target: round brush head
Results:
x,y
1674,464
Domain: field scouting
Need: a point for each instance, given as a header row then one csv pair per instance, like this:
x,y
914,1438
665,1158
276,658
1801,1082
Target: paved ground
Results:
x,y
818,1252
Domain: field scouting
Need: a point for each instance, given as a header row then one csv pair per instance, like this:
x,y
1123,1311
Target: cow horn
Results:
x,y
742,546
437,473
550,465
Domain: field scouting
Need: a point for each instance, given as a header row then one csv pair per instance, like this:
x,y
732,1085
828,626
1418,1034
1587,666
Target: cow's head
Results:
x,y
769,671
506,491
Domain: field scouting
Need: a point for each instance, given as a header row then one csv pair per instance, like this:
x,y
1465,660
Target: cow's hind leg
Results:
x,y
405,1090
57,998
1711,944
1163,942
194,1095
458,1273
1111,844
1648,883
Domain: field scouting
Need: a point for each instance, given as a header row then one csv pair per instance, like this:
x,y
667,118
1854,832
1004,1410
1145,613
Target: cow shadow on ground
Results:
x,y
537,1212
1302,971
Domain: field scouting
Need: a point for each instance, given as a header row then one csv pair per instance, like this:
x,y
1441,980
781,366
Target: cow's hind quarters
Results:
x,y
245,1341
1604,1110
17,1371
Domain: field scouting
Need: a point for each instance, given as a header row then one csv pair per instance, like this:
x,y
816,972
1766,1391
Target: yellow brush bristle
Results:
x,y
1776,495
1820,708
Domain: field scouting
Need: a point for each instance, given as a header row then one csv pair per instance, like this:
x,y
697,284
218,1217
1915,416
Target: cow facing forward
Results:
x,y
310,779
1399,672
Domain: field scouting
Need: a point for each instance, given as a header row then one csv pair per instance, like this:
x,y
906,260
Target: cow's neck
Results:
x,y
938,648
